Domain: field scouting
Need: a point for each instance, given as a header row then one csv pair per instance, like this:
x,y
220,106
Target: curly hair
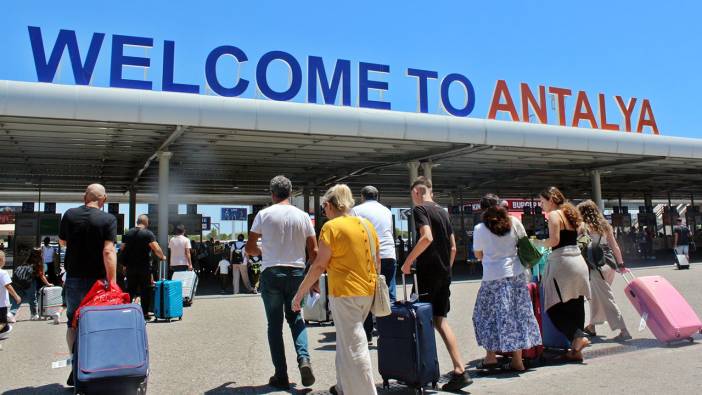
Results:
x,y
571,213
495,217
593,218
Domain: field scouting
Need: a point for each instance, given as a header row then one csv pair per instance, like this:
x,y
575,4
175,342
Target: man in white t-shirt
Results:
x,y
180,251
286,232
381,218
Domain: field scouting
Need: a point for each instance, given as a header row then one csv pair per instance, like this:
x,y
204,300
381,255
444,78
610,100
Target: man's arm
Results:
x,y
109,256
251,245
312,248
675,239
189,258
453,249
156,248
425,240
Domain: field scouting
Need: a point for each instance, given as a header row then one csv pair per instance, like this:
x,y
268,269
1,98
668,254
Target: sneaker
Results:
x,y
457,382
11,318
5,331
56,318
333,391
279,383
306,372
35,317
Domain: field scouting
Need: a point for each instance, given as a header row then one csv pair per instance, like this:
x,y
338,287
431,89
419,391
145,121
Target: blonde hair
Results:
x,y
593,218
340,197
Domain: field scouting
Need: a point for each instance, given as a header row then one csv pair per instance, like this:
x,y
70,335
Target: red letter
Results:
x,y
627,110
646,109
508,106
560,93
587,115
603,116
528,99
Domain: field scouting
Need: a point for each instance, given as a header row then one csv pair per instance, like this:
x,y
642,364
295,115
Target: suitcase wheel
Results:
x,y
434,385
386,384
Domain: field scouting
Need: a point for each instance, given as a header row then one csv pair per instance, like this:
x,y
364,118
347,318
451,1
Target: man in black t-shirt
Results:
x,y
434,252
136,248
681,239
89,236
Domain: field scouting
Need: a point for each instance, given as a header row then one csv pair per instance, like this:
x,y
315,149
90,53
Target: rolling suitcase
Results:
x,y
50,301
111,352
189,280
550,336
168,297
406,344
681,261
319,312
665,311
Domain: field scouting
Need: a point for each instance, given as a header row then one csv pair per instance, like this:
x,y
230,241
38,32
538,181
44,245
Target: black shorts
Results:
x,y
437,292
3,314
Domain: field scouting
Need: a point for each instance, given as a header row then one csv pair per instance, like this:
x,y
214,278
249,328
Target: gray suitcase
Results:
x,y
320,312
189,280
681,261
50,301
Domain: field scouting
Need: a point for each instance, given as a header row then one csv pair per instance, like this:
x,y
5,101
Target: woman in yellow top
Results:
x,y
345,254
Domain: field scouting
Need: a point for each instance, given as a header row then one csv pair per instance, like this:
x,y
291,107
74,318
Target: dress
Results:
x,y
602,305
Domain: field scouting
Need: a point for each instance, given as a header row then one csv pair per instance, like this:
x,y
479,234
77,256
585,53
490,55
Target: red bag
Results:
x,y
102,295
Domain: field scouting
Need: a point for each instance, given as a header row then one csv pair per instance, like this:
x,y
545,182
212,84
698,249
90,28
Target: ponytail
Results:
x,y
572,214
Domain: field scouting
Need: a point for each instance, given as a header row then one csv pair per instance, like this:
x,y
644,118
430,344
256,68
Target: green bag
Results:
x,y
528,254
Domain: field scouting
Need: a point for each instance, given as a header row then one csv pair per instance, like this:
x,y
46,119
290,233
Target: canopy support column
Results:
x,y
164,158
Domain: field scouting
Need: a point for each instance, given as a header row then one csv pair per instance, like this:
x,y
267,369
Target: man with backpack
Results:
x,y
239,266
89,236
681,239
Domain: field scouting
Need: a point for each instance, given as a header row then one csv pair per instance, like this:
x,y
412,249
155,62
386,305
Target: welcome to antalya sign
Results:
x,y
335,87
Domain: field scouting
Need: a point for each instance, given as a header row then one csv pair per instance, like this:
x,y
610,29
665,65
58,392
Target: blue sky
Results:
x,y
639,49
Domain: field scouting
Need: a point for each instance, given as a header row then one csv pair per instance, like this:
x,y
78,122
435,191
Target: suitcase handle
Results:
x,y
413,270
162,269
631,277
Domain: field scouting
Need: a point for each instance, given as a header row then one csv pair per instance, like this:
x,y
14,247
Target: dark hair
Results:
x,y
422,182
180,229
495,216
571,213
369,192
240,237
47,240
281,187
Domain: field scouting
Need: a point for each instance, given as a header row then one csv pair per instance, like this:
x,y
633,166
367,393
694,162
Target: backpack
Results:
x,y
599,254
22,276
237,255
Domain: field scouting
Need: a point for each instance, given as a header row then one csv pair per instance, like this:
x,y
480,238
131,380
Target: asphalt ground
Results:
x,y
220,347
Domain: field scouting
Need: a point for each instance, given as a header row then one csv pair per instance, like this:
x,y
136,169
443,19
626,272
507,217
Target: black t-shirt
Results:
x,y
137,256
683,234
435,261
85,230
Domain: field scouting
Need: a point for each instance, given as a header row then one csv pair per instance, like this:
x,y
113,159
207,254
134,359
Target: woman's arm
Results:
x,y
612,241
318,267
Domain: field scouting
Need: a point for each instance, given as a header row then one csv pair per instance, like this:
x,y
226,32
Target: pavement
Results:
x,y
220,347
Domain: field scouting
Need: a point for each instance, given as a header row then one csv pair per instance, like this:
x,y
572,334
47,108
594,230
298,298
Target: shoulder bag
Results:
x,y
381,297
528,254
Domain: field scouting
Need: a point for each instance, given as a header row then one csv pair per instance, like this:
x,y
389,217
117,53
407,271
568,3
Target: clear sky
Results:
x,y
643,49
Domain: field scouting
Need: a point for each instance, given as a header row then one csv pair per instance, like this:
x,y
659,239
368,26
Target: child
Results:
x,y
5,290
223,270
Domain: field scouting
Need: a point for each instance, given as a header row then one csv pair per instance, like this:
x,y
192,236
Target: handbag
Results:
x,y
380,307
528,254
599,256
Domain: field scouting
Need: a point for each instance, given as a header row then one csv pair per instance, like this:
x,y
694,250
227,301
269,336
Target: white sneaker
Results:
x,y
56,318
11,318
35,317
5,334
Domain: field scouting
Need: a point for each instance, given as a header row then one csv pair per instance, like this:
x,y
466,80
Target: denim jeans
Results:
x,y
76,288
278,287
28,295
388,267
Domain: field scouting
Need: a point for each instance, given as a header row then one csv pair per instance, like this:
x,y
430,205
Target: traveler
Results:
x,y
89,236
381,218
239,263
503,317
602,305
6,290
48,254
566,281
344,253
28,289
286,232
136,249
681,239
223,271
180,251
435,251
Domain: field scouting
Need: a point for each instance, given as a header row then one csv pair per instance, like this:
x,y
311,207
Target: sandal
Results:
x,y
622,337
589,332
508,368
482,365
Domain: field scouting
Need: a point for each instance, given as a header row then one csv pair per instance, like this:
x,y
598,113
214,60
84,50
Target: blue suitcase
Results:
x,y
550,336
406,344
168,300
111,352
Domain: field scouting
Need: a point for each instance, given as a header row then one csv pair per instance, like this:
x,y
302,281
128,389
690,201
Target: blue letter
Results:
x,y
119,60
261,78
470,95
329,91
46,71
364,84
211,71
167,83
423,76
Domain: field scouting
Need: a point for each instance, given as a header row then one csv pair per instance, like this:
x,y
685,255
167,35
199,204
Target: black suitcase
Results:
x,y
407,345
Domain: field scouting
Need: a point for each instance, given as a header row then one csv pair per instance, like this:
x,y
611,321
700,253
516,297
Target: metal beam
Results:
x,y
179,130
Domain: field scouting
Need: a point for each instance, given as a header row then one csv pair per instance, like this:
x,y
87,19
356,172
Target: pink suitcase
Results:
x,y
666,312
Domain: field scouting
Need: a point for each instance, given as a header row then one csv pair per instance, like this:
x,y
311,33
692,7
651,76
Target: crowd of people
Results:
x,y
294,258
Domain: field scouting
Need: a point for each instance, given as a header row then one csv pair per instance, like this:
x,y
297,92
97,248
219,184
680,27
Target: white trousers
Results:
x,y
240,270
602,305
354,371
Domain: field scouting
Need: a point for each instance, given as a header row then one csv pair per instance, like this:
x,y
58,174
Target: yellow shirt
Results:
x,y
351,270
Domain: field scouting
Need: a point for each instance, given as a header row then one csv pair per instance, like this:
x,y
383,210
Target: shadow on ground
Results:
x,y
44,389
